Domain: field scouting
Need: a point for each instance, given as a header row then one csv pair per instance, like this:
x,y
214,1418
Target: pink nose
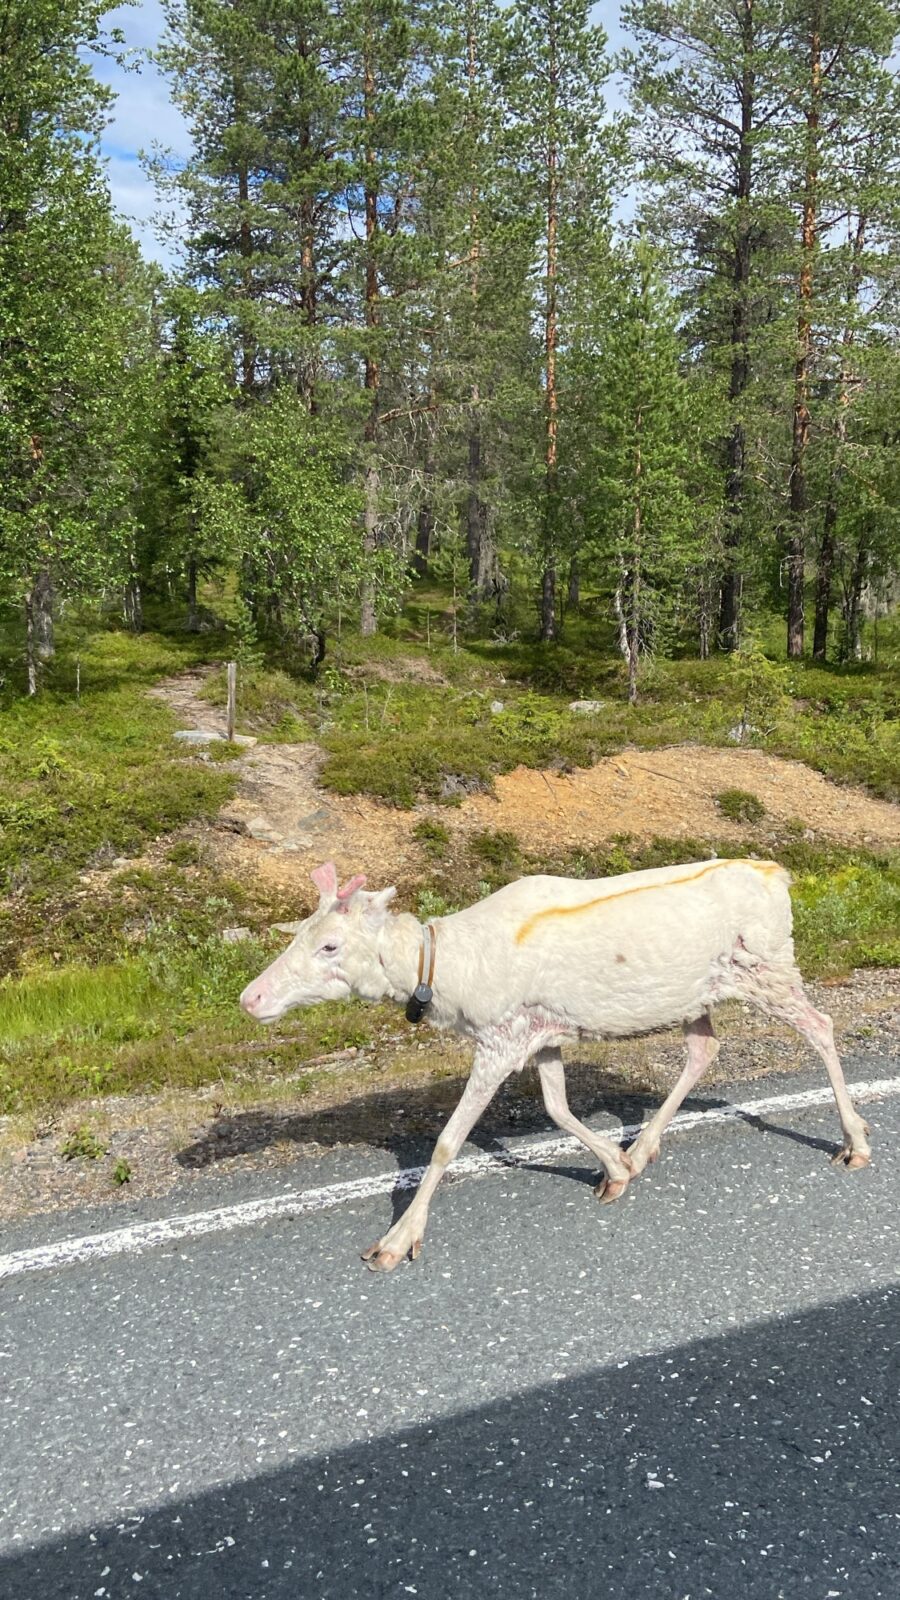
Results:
x,y
252,998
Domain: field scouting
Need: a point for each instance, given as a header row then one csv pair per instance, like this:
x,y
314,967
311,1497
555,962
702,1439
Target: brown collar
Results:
x,y
429,941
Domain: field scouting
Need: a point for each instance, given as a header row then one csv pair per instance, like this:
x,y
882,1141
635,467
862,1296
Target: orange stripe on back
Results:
x,y
530,923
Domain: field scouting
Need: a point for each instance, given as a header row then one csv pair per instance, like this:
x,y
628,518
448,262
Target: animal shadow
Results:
x,y
405,1121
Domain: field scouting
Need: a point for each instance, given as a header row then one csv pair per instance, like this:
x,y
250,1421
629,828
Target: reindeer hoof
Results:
x,y
607,1191
378,1260
382,1257
859,1158
851,1160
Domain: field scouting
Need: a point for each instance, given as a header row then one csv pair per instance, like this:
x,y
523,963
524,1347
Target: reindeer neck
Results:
x,y
398,950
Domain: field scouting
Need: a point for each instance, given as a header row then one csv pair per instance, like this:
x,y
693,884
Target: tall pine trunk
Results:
x,y
551,456
828,545
372,480
732,579
799,497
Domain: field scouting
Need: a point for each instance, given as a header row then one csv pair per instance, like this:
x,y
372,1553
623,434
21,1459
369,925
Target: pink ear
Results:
x,y
350,888
325,879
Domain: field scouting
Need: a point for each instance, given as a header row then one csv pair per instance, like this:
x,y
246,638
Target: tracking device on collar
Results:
x,y
418,1002
423,994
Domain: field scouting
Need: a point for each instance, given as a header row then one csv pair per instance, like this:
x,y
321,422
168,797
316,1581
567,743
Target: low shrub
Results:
x,y
739,805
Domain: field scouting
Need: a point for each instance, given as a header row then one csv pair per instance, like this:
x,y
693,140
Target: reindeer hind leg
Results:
x,y
780,993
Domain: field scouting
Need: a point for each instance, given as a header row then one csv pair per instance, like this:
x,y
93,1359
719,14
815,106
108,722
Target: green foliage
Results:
x,y
497,853
120,784
848,917
165,1017
82,1144
74,325
121,1172
85,780
183,853
650,514
431,903
297,523
739,805
761,687
248,652
433,837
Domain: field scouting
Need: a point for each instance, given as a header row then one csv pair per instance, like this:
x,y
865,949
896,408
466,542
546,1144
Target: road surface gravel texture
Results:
x,y
693,1393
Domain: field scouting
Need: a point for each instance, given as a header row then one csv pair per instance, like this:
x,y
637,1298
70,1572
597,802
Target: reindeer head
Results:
x,y
333,955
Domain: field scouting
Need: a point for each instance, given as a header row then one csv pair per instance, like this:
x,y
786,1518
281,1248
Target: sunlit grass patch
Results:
x,y
165,1018
98,772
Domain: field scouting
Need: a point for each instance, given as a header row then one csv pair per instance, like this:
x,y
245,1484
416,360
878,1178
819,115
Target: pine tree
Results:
x,y
842,180
190,404
553,72
708,85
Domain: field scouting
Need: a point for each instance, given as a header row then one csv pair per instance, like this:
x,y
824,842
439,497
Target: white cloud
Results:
x,y
136,200
141,116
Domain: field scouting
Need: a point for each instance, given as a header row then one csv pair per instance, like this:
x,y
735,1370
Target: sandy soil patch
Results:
x,y
671,793
281,824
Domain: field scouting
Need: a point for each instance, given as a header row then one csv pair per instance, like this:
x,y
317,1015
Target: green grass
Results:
x,y
400,737
163,1019
96,776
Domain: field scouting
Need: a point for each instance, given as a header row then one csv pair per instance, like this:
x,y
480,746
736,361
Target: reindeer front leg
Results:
x,y
494,1060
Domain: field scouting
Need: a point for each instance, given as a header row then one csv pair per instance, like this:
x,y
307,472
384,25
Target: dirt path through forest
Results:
x,y
280,823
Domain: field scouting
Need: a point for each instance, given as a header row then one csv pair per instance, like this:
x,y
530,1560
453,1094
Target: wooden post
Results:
x,y
232,697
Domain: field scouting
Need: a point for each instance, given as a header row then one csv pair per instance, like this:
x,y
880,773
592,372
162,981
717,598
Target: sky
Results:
x,y
143,116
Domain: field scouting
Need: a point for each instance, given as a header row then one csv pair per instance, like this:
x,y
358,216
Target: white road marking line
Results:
x,y
143,1236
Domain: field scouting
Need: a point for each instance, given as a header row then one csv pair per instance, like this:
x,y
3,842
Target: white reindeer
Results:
x,y
546,959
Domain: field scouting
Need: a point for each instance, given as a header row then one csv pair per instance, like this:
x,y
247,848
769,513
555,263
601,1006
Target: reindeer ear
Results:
x,y
326,881
375,906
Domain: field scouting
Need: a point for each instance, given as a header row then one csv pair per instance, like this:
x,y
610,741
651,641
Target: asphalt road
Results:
x,y
693,1393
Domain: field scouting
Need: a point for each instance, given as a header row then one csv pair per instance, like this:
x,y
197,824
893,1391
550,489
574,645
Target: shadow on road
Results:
x,y
405,1122
758,1465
